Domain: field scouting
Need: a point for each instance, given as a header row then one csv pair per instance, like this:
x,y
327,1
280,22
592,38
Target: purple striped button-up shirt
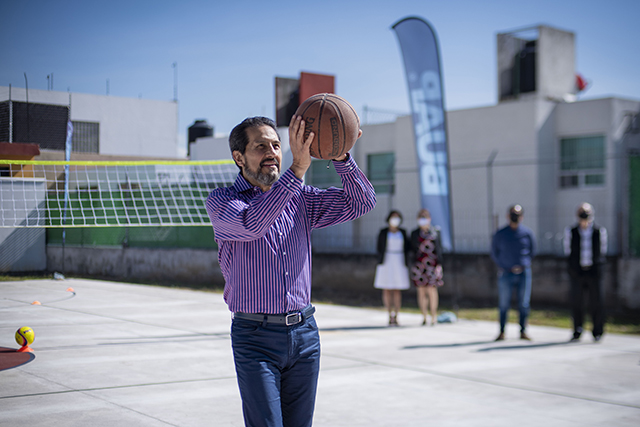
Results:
x,y
264,239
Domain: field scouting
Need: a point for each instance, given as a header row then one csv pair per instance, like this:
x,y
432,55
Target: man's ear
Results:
x,y
238,157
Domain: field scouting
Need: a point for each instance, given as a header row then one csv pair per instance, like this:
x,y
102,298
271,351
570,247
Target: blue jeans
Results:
x,y
277,368
521,284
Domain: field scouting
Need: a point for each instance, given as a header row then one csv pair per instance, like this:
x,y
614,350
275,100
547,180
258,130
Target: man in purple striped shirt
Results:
x,y
263,225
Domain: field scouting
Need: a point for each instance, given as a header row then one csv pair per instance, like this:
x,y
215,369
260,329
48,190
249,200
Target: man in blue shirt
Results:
x,y
263,226
512,249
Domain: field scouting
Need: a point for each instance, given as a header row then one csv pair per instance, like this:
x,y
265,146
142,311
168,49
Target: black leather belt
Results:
x,y
287,319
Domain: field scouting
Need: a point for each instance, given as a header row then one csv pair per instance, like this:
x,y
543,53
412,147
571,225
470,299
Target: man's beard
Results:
x,y
263,178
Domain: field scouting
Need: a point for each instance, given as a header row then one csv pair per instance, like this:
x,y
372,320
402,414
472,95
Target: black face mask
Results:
x,y
514,217
584,215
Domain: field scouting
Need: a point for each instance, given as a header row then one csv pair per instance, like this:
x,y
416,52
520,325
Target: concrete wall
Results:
x,y
347,278
22,250
163,266
472,280
509,129
128,126
555,63
629,282
22,203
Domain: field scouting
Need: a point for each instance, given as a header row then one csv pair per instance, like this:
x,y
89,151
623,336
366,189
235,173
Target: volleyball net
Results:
x,y
54,194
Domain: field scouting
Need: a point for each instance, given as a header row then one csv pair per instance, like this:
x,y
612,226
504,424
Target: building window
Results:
x,y
86,137
322,174
381,171
582,161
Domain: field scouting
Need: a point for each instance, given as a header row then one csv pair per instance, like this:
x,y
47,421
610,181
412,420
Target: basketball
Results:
x,y
333,121
25,336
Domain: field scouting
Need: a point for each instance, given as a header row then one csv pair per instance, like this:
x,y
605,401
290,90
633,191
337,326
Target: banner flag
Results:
x,y
420,52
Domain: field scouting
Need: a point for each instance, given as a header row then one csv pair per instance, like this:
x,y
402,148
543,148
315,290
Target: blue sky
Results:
x,y
229,52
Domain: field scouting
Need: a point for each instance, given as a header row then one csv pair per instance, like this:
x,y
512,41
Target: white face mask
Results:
x,y
395,221
424,222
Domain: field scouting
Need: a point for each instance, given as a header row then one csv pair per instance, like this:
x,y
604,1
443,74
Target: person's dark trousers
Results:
x,y
521,283
591,281
277,368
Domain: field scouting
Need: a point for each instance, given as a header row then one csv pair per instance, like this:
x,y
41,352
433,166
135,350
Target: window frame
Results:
x,y
82,134
577,172
382,184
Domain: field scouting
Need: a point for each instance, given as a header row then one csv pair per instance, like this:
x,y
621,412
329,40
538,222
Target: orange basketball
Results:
x,y
334,122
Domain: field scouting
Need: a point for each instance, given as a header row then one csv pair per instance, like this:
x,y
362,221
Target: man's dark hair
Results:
x,y
238,138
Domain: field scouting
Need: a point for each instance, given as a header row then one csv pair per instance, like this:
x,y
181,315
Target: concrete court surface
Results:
x,y
115,354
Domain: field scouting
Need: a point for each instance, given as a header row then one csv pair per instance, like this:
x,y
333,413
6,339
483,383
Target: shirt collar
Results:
x,y
242,184
589,228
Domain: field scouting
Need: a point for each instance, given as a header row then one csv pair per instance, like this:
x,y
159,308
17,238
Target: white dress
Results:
x,y
393,273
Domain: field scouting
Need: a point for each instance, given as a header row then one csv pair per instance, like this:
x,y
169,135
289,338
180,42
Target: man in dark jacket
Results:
x,y
586,246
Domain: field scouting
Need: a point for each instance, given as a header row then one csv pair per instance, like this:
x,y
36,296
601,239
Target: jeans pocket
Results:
x,y
244,326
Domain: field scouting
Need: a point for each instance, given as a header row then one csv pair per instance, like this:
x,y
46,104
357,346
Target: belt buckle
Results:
x,y
293,319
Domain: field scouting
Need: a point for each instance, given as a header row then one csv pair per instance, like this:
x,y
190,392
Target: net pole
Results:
x,y
67,155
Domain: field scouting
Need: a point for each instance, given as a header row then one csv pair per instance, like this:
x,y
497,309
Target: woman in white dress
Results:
x,y
392,275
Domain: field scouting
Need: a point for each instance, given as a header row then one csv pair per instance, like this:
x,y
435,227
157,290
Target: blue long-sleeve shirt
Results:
x,y
511,247
264,239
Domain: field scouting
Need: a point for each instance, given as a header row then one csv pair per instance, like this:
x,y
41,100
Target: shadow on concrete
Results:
x,y
11,358
353,328
528,346
462,344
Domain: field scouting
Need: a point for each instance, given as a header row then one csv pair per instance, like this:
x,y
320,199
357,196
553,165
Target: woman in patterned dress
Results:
x,y
426,271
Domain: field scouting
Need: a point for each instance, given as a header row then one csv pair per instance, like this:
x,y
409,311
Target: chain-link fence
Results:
x,y
481,196
371,116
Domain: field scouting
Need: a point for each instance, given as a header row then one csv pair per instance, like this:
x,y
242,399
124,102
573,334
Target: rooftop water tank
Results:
x,y
199,128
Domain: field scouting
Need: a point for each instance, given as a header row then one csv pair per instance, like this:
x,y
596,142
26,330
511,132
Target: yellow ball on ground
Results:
x,y
25,336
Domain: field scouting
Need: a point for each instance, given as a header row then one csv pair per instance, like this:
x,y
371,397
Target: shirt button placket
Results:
x,y
286,273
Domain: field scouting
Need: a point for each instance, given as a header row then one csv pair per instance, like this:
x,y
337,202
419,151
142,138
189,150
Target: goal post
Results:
x,y
109,193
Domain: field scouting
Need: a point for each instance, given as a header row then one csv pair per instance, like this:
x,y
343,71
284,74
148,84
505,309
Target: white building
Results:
x,y
537,147
104,125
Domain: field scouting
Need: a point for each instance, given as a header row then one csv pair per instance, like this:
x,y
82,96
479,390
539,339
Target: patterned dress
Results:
x,y
424,272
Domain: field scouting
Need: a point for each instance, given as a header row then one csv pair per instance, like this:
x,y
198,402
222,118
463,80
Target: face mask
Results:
x,y
424,222
395,221
514,217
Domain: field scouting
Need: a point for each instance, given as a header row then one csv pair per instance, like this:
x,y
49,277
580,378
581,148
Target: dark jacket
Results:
x,y
415,244
382,245
574,255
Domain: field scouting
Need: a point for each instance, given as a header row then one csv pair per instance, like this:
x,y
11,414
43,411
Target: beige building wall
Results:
x,y
525,137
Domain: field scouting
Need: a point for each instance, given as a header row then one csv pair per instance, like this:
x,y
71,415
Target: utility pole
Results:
x,y
175,81
492,157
